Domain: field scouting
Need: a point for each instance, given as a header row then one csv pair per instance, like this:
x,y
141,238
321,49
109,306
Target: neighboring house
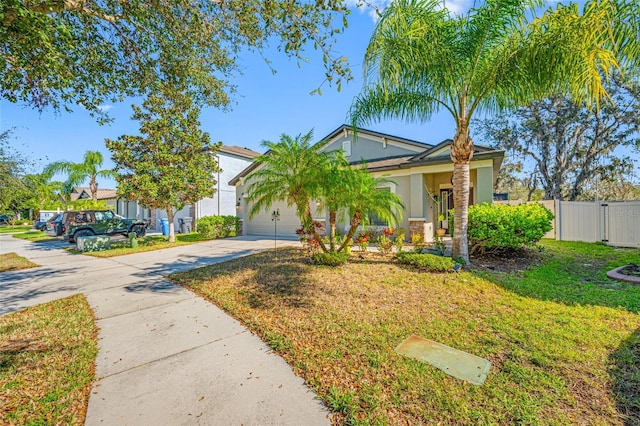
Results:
x,y
232,160
422,175
109,196
84,193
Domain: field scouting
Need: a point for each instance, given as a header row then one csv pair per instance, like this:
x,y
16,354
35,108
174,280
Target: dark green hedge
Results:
x,y
501,227
330,259
430,262
218,226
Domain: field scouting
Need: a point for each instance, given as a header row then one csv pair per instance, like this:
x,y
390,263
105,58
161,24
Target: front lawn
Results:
x,y
35,236
47,356
10,229
555,360
122,247
13,262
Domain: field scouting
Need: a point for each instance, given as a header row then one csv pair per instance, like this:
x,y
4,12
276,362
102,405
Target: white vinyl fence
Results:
x,y
616,223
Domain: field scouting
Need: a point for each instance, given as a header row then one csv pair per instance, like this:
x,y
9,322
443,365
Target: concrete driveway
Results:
x,y
166,356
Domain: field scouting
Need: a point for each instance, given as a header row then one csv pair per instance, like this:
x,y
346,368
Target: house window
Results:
x,y
346,147
373,218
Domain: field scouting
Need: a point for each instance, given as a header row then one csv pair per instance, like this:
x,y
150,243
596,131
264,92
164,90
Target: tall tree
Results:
x,y
173,163
63,52
421,60
289,171
78,173
570,145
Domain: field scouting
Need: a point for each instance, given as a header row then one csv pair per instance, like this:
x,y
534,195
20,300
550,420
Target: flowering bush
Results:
x,y
384,243
362,241
387,232
309,242
418,242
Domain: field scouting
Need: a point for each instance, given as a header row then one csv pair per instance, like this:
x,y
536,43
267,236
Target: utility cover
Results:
x,y
458,364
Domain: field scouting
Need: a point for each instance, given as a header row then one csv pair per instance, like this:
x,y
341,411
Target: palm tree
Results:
x,y
363,195
421,60
289,171
77,173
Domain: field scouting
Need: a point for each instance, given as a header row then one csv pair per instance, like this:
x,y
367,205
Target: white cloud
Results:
x,y
372,7
105,108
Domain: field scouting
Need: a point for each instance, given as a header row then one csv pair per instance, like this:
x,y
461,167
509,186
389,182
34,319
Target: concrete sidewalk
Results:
x,y
166,356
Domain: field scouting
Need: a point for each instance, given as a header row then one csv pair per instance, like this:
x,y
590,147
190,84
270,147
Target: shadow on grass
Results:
x,y
626,378
279,274
568,278
12,350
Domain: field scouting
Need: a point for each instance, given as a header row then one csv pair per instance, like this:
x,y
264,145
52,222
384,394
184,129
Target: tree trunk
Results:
x,y
93,187
355,222
172,233
461,154
333,214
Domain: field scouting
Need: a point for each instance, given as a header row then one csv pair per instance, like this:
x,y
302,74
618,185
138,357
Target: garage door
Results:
x,y
261,224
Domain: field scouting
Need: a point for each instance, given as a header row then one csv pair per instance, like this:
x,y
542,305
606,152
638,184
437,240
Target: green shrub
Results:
x,y
330,259
501,227
218,226
430,262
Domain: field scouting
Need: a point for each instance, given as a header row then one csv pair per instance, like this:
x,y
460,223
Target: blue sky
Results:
x,y
265,106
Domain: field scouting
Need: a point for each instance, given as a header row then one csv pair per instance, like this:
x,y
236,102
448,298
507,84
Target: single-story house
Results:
x,y
422,175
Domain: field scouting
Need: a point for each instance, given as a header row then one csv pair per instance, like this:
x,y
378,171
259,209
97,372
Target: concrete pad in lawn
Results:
x,y
137,338
234,381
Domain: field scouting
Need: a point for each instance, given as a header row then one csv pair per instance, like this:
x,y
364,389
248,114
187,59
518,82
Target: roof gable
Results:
x,y
346,130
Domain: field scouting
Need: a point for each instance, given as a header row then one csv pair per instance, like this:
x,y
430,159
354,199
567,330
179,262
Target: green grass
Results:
x,y
574,273
35,236
47,356
13,262
10,229
555,359
149,243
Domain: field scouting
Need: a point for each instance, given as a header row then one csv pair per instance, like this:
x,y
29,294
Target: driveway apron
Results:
x,y
166,356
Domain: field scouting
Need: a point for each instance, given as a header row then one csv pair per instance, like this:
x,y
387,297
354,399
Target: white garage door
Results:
x,y
261,224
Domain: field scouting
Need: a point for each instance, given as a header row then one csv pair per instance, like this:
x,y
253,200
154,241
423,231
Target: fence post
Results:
x,y
558,220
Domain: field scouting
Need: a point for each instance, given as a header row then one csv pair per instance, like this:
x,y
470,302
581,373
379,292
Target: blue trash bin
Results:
x,y
165,226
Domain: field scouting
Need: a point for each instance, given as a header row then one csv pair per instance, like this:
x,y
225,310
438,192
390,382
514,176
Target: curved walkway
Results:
x,y
166,356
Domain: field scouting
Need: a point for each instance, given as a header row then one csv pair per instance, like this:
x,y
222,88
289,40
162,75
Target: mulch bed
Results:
x,y
632,270
511,262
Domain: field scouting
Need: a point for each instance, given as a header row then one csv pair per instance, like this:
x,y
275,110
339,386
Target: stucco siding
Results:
x,y
369,148
223,203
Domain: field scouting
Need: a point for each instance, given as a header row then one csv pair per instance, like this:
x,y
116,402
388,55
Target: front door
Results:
x,y
446,204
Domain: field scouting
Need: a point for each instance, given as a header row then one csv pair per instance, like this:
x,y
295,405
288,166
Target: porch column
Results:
x,y
417,210
484,185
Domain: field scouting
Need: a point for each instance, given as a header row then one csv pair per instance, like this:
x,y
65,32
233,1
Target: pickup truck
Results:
x,y
72,225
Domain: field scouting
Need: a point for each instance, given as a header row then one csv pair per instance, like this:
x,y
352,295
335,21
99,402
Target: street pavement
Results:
x,y
166,356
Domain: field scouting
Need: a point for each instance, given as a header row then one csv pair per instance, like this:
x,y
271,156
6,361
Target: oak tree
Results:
x,y
62,52
173,162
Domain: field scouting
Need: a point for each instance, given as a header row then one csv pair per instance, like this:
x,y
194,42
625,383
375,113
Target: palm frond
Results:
x,y
377,103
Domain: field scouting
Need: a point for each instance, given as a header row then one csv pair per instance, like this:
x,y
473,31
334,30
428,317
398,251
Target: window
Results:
x,y
346,147
373,218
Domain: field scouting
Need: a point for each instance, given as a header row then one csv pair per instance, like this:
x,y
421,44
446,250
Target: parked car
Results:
x,y
72,225
48,224
41,225
5,219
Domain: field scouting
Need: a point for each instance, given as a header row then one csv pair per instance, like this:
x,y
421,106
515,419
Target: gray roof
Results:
x,y
239,151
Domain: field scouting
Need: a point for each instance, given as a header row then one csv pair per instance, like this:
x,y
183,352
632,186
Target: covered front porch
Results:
x,y
428,197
